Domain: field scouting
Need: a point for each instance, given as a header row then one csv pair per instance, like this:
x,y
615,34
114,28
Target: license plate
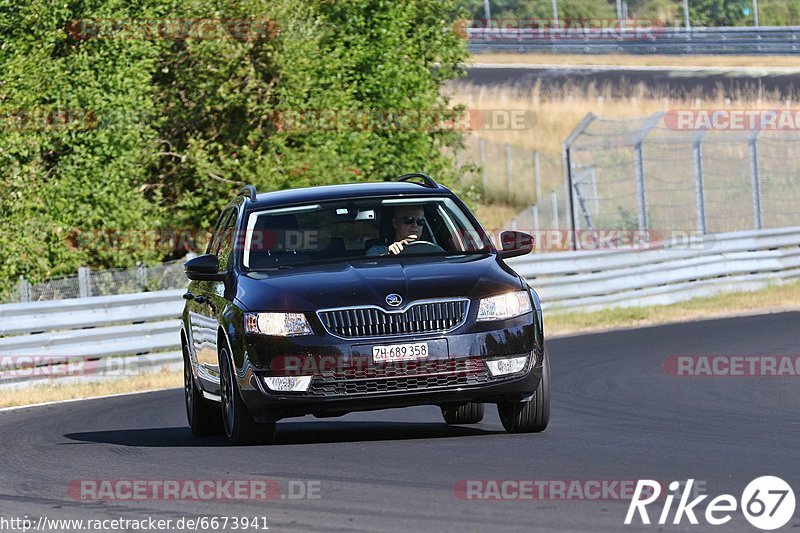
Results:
x,y
399,352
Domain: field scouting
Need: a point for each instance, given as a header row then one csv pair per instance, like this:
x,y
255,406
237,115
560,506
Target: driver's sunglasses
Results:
x,y
411,220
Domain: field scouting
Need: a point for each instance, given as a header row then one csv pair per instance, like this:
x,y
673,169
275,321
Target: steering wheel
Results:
x,y
422,247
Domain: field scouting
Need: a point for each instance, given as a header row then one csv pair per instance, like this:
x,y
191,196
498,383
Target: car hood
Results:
x,y
308,288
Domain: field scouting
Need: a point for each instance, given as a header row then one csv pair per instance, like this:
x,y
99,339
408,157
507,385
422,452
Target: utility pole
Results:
x,y
555,13
755,13
487,12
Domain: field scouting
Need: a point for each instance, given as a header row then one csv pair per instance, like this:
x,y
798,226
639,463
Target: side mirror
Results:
x,y
204,268
515,243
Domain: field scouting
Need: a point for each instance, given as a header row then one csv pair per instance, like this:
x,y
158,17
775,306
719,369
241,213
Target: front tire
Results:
x,y
204,417
531,416
468,413
240,427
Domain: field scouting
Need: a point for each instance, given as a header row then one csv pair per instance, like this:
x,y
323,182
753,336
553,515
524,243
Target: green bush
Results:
x,y
173,127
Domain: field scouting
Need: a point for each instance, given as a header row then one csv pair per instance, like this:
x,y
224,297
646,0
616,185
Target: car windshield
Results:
x,y
363,228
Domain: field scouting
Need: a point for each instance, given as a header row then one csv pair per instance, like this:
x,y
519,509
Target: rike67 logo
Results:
x,y
767,502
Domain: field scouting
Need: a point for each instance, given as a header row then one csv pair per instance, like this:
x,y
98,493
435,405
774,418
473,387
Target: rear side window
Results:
x,y
227,234
213,244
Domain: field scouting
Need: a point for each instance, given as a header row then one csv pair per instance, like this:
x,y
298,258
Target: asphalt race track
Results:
x,y
617,415
675,83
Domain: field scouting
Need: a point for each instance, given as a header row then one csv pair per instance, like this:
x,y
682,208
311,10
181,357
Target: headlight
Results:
x,y
504,306
280,324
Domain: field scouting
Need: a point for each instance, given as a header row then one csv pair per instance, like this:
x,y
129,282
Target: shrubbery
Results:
x,y
172,127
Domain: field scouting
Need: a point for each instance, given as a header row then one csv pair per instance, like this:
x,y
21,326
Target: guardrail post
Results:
x,y
84,282
699,185
482,149
509,174
24,290
756,179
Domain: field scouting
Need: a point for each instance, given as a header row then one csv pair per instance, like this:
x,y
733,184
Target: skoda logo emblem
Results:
x,y
394,300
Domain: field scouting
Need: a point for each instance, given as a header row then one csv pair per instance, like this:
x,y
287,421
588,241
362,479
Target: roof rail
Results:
x,y
249,191
427,181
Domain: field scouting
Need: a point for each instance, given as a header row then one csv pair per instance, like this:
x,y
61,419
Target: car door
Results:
x,y
202,314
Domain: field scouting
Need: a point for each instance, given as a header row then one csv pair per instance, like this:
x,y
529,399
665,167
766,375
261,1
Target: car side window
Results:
x,y
213,244
226,239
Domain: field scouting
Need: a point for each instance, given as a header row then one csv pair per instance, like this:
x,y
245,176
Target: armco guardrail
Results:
x,y
666,273
147,323
62,337
666,40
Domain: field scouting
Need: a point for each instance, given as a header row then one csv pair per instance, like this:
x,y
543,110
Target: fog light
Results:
x,y
501,367
288,383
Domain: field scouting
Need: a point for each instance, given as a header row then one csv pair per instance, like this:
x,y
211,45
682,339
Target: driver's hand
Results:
x,y
397,247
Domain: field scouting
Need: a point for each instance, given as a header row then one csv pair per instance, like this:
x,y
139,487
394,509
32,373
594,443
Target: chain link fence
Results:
x,y
647,175
89,282
511,175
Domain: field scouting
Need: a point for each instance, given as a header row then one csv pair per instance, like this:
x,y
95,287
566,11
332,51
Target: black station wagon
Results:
x,y
327,300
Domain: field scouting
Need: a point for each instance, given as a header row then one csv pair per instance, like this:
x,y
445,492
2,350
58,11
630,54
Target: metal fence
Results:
x,y
509,37
512,175
641,174
87,283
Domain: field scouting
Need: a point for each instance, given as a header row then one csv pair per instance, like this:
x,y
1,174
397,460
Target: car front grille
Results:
x,y
399,377
423,317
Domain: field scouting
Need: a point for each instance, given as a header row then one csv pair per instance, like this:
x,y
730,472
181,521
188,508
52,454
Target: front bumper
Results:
x,y
453,375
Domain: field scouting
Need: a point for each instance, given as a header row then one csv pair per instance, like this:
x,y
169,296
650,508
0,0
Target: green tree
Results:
x,y
173,126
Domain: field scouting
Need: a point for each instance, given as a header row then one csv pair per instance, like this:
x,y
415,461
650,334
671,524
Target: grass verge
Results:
x,y
773,298
776,62
56,391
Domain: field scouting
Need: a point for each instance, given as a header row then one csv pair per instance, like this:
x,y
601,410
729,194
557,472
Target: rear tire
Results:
x,y
468,413
531,416
203,415
240,428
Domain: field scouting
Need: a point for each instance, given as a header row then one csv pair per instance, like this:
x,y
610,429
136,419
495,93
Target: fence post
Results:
x,y
508,168
482,147
756,178
24,290
84,282
641,191
566,166
537,177
141,276
700,199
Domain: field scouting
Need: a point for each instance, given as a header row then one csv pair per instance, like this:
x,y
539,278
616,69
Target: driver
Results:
x,y
407,221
